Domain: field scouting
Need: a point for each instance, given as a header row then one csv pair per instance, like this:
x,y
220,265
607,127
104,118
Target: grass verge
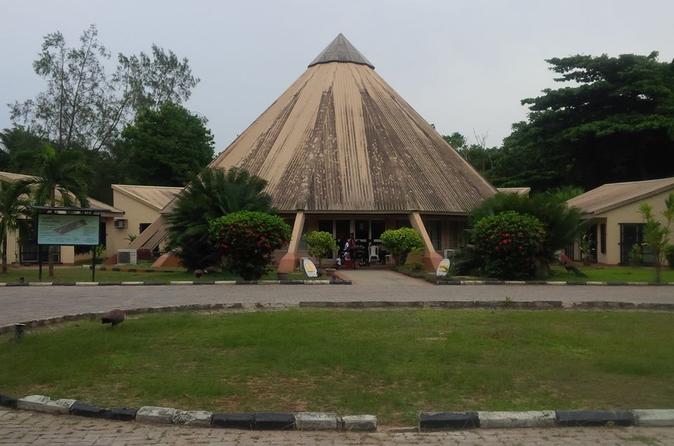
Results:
x,y
391,363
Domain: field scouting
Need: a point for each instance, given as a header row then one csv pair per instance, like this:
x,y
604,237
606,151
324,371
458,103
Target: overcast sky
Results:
x,y
464,65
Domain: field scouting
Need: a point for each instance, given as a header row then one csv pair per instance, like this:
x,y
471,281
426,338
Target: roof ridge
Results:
x,y
147,186
637,181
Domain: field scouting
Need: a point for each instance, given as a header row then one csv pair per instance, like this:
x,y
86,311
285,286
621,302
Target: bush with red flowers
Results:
x,y
507,244
247,239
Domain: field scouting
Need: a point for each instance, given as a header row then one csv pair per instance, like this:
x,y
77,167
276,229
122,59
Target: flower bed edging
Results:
x,y
547,282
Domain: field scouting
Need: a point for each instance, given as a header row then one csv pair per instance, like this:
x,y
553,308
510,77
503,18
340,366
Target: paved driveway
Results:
x,y
18,428
27,303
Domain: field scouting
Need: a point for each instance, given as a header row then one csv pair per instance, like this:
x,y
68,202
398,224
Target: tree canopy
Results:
x,y
613,120
164,147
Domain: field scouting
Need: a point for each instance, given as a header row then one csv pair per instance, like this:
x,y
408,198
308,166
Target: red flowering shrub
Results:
x,y
507,244
247,239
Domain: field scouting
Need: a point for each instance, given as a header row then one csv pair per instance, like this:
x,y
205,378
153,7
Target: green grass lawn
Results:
x,y
613,274
78,274
387,362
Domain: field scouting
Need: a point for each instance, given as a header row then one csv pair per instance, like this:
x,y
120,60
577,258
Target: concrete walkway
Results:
x,y
381,278
18,428
19,304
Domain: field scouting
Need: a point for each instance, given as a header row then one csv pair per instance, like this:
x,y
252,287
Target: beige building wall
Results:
x,y
136,213
627,214
13,250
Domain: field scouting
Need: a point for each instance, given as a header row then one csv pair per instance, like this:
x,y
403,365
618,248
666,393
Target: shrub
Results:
x,y
399,242
562,224
246,240
634,256
320,244
212,194
508,244
656,232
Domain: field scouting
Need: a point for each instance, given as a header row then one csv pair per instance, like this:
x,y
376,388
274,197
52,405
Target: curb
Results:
x,y
450,305
326,421
182,283
305,421
547,282
439,421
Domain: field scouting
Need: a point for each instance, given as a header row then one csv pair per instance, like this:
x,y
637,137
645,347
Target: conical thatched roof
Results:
x,y
341,139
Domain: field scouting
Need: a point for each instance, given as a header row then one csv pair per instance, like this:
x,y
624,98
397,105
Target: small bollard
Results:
x,y
18,331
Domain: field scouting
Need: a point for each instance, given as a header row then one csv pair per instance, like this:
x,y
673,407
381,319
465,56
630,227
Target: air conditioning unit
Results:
x,y
128,256
121,223
450,253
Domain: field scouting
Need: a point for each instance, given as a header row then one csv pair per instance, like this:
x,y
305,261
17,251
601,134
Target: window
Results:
x,y
378,227
142,227
325,226
362,230
602,238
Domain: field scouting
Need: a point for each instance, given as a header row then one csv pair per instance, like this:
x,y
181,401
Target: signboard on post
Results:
x,y
67,229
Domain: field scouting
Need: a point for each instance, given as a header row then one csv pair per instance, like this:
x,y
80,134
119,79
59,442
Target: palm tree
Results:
x,y
59,171
212,194
13,204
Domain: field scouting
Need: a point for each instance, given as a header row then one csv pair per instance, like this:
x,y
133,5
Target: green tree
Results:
x,y
60,174
481,157
164,147
614,122
400,242
212,194
320,244
561,224
656,233
19,147
247,239
82,105
14,203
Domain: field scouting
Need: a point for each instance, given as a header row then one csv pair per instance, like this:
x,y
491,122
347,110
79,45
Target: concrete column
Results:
x,y
431,258
289,260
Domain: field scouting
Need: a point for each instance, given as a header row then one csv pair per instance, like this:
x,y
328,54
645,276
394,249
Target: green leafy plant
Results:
x,y
212,194
561,223
656,232
635,256
321,244
13,205
508,244
399,242
246,240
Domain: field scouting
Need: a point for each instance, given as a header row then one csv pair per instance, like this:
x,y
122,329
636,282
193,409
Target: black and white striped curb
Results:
x,y
549,282
305,421
183,282
438,421
327,421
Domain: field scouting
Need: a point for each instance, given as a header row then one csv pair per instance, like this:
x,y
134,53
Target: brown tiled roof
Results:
x,y
157,197
614,195
341,139
11,176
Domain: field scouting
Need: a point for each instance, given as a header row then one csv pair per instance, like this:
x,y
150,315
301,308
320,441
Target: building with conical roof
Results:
x,y
343,152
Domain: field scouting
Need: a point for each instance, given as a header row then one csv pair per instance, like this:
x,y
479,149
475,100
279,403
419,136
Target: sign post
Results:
x,y
61,226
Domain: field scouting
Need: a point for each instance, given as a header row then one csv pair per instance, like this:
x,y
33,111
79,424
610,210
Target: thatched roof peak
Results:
x,y
341,50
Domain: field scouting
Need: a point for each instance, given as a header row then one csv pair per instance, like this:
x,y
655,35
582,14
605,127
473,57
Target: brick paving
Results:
x,y
21,428
19,304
